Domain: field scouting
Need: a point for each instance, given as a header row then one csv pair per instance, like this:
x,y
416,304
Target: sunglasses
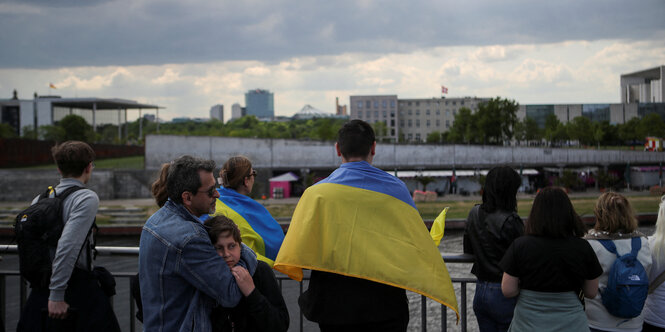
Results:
x,y
252,173
210,192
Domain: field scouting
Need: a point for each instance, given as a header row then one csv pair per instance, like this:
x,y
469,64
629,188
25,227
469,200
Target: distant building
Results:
x,y
217,112
309,112
340,109
612,113
645,86
47,110
260,103
411,119
237,111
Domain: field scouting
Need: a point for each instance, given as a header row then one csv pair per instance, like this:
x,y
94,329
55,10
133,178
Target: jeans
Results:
x,y
494,311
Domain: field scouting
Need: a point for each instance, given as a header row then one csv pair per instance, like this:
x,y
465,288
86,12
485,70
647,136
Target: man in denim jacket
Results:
x,y
180,274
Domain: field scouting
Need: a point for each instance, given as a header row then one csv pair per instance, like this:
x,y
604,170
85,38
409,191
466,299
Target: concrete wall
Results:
x,y
24,185
282,154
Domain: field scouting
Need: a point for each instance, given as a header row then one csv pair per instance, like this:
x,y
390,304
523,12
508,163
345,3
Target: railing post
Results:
x,y
3,299
423,313
463,295
444,318
132,313
301,315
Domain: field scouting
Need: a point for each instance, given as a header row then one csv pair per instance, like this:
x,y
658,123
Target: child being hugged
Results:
x,y
262,307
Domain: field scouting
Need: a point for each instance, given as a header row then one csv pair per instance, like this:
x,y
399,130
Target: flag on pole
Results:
x,y
52,86
444,89
439,226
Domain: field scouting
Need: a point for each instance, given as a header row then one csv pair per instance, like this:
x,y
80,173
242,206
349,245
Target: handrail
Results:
x,y
134,251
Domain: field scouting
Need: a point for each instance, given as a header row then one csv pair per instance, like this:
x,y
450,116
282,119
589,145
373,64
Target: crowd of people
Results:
x,y
206,257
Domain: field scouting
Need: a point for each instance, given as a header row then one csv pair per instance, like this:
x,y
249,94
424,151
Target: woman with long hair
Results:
x,y
548,266
615,221
158,187
654,308
260,231
490,228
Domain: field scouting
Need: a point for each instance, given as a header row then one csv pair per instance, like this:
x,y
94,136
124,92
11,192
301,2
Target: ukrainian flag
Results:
x,y
258,229
361,222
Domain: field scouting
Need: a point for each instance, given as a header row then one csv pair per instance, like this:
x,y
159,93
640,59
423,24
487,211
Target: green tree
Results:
x,y
7,131
496,119
581,129
380,130
29,132
434,137
464,127
532,131
52,133
629,131
651,125
75,128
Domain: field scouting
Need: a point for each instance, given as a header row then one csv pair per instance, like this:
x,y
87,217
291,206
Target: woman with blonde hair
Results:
x,y
260,231
654,308
615,221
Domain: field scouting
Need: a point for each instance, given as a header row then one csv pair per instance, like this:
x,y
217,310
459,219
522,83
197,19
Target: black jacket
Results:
x,y
263,310
487,236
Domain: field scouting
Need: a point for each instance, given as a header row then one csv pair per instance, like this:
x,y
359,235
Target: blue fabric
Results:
x,y
494,311
258,217
361,174
180,273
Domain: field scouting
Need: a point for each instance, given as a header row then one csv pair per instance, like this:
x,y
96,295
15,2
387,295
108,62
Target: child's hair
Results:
x,y
159,186
658,250
234,171
221,225
614,214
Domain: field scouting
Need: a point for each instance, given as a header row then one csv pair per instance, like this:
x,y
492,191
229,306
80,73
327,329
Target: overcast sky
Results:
x,y
190,55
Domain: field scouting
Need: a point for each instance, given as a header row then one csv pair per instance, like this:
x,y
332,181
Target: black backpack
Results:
x,y
38,229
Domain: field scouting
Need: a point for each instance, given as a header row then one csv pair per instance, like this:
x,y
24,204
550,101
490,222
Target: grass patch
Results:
x,y
460,209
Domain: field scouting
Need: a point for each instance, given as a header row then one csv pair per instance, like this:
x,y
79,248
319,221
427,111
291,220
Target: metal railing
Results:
x,y
134,251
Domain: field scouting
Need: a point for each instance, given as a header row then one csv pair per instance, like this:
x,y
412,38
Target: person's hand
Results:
x,y
57,309
243,279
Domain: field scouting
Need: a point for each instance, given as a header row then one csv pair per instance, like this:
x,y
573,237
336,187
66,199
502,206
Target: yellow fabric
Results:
x,y
247,233
364,234
438,227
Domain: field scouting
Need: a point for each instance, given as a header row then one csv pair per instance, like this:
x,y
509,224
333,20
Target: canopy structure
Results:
x,y
449,173
286,177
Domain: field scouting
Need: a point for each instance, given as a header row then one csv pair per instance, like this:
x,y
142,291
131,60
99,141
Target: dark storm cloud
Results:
x,y
40,34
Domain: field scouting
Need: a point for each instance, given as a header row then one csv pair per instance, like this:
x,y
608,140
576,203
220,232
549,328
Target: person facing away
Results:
x,y
491,228
615,220
259,230
180,274
654,308
549,266
73,291
262,307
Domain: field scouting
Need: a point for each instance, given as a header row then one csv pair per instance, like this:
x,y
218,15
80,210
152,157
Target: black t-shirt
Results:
x,y
551,265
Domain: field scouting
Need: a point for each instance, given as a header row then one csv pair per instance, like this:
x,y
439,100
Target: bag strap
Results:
x,y
609,246
659,280
636,245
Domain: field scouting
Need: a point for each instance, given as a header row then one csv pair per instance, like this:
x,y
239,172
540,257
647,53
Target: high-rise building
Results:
x,y
217,112
340,109
260,103
237,111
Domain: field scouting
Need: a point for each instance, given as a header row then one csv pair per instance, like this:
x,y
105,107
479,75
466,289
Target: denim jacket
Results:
x,y
180,273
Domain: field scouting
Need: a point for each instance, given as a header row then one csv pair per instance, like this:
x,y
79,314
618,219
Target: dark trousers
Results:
x,y
90,308
396,325
493,310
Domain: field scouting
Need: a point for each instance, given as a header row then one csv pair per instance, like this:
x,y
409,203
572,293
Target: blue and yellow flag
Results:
x,y
258,229
361,222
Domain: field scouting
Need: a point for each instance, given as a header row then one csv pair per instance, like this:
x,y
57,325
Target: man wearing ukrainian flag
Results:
x,y
361,235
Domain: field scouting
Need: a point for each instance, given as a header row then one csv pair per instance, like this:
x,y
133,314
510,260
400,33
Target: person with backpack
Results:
x,y
67,293
654,308
624,254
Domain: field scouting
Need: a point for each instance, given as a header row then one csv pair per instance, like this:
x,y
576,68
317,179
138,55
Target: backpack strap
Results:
x,y
635,244
609,246
657,282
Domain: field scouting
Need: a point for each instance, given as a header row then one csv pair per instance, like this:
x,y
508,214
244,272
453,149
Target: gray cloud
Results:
x,y
123,32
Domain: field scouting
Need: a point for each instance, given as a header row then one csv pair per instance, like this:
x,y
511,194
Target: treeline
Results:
x,y
495,123
74,127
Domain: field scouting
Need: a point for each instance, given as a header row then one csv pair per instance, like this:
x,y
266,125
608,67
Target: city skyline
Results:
x,y
191,57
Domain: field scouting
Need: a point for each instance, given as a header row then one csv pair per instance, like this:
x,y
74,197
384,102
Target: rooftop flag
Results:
x,y
444,89
50,85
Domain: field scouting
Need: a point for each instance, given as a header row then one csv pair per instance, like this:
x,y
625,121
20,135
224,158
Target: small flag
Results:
x,y
50,85
438,227
444,89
